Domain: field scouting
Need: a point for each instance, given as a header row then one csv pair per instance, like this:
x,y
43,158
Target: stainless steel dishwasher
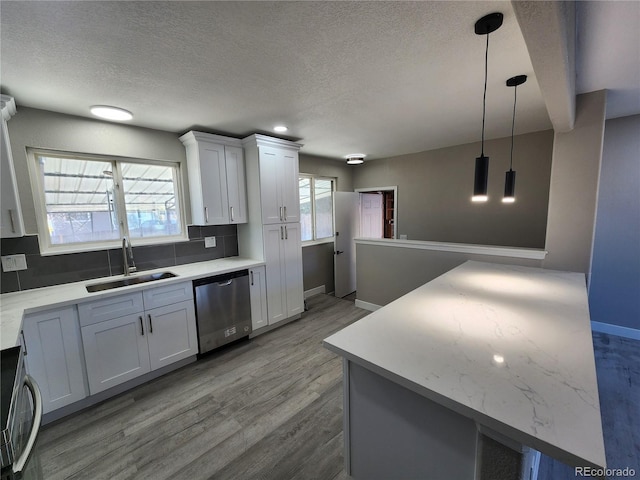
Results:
x,y
223,309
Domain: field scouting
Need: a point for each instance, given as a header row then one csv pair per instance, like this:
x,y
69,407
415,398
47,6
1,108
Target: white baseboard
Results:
x,y
372,307
616,330
315,291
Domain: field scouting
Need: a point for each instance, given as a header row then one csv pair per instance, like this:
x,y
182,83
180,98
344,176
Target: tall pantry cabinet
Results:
x,y
273,231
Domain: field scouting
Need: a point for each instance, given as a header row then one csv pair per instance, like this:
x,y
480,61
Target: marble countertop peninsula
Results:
x,y
14,305
507,346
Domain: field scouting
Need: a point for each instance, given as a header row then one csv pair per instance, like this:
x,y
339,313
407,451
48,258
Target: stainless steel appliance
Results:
x,y
21,417
223,309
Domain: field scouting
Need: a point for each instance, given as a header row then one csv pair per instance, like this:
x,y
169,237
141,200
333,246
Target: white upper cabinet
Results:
x,y
279,185
217,182
11,224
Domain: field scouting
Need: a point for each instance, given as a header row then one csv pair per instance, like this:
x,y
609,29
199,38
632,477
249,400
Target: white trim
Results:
x,y
531,253
315,291
615,330
266,141
372,307
192,137
322,241
8,106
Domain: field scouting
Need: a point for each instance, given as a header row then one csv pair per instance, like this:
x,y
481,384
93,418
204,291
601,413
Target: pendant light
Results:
x,y
510,177
484,26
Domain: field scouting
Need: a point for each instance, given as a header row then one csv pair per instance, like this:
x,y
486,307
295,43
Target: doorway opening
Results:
x,y
378,212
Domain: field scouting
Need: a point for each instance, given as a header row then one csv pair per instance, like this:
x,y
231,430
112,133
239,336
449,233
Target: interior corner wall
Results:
x,y
35,128
573,194
328,167
615,271
435,188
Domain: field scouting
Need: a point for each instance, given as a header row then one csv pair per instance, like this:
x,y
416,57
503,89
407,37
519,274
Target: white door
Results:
x,y
258,293
115,351
290,186
275,273
372,215
236,189
346,208
213,172
270,195
172,333
292,256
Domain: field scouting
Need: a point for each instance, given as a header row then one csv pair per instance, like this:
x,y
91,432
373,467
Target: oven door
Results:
x,y
28,416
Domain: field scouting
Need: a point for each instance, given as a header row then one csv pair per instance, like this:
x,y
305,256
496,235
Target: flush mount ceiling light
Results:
x,y
280,128
355,158
484,26
510,177
111,113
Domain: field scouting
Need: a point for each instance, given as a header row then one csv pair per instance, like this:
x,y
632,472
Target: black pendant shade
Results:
x,y
484,26
510,176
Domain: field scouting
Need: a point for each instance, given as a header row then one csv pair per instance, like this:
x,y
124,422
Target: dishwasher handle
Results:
x,y
18,466
226,283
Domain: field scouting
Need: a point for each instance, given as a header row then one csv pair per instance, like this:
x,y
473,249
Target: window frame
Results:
x,y
314,240
39,199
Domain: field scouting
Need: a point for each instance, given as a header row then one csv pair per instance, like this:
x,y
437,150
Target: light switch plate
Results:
x,y
209,242
12,263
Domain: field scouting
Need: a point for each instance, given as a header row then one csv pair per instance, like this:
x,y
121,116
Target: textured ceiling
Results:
x,y
382,78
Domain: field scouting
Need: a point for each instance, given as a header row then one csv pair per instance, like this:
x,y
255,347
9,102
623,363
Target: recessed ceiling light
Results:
x,y
355,158
280,128
111,113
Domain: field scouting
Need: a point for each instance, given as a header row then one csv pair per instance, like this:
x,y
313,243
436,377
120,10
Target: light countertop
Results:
x,y
14,305
445,341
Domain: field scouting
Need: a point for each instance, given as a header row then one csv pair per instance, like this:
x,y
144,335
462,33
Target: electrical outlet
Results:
x,y
12,263
209,242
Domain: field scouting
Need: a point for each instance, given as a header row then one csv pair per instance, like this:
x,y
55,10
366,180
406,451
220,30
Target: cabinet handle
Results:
x,y
206,214
13,223
286,233
285,213
280,213
232,214
24,342
141,326
251,274
150,323
281,233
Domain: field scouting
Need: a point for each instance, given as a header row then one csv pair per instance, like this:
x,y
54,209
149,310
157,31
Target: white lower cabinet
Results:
x,y
258,293
283,259
122,348
54,356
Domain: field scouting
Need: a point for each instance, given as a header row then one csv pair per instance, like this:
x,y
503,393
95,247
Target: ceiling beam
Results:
x,y
549,31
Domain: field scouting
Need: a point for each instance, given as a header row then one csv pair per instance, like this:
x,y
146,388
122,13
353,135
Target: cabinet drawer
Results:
x,y
108,308
167,294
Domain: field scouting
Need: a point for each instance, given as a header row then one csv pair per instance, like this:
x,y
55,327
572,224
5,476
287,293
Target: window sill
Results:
x,y
322,241
117,244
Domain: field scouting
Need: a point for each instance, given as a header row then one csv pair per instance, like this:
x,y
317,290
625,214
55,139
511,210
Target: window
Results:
x,y
97,200
316,207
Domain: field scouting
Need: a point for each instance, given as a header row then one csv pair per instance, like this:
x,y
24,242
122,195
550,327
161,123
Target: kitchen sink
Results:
x,y
123,282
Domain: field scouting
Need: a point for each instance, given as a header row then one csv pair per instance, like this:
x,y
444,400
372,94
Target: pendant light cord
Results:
x,y
484,95
513,124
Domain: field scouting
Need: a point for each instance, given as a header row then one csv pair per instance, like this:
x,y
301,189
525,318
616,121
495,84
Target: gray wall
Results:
x,y
574,187
434,192
57,131
317,260
615,279
386,273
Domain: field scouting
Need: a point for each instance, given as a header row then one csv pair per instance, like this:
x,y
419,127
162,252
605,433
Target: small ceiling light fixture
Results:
x,y
510,177
111,113
484,26
355,158
280,128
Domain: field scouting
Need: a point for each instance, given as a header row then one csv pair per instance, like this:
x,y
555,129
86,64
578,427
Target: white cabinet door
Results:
x,y
11,224
213,175
275,273
172,333
53,356
236,184
289,186
292,258
258,293
115,351
270,194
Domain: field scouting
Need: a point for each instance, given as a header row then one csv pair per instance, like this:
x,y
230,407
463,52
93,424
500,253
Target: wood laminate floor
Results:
x,y
271,408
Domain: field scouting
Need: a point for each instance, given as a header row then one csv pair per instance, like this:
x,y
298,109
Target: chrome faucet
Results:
x,y
127,253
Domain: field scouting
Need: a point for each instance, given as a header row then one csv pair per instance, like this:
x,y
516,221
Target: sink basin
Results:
x,y
123,282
